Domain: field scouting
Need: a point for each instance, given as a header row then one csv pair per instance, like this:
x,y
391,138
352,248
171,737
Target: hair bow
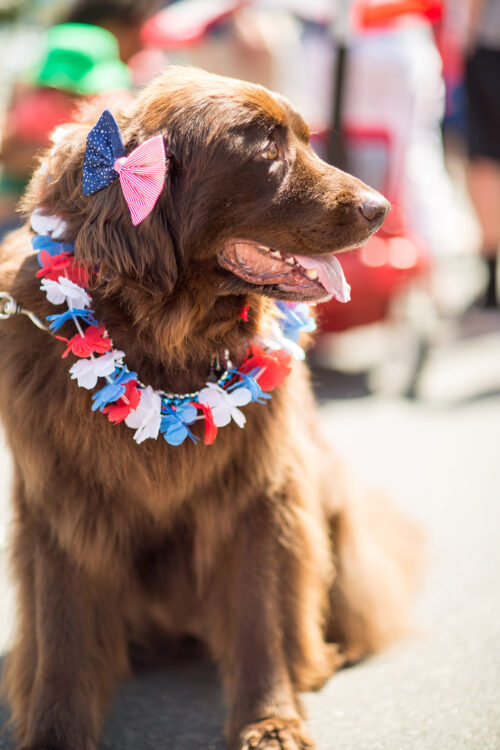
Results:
x,y
141,173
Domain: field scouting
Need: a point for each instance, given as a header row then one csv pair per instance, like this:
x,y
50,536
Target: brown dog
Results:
x,y
256,544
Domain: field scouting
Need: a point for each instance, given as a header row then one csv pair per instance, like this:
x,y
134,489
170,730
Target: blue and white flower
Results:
x,y
146,418
275,339
87,371
53,225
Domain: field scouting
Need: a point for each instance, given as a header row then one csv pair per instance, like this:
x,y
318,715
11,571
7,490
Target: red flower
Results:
x,y
275,366
128,402
93,341
63,264
210,427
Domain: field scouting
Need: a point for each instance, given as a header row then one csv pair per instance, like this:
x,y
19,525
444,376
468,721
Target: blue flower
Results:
x,y
174,423
114,390
59,320
296,319
45,242
248,381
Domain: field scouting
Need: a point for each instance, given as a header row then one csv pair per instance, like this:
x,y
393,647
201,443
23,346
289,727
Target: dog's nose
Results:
x,y
374,208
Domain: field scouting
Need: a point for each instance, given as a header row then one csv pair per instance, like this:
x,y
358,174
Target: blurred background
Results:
x,y
405,94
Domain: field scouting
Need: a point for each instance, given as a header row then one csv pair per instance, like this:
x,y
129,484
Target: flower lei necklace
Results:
x,y
125,398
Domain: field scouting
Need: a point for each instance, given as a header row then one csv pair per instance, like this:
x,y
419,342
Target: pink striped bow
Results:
x,y
142,176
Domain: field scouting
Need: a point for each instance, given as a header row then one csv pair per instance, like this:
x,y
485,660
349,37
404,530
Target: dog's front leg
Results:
x,y
79,654
264,710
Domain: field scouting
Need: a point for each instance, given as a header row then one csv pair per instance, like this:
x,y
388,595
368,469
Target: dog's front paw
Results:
x,y
276,734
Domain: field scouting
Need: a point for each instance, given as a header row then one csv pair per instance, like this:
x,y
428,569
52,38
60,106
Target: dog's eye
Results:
x,y
271,152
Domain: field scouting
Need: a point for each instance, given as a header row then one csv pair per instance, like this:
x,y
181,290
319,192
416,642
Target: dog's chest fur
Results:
x,y
121,498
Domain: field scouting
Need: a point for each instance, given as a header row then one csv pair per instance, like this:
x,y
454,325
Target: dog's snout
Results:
x,y
374,208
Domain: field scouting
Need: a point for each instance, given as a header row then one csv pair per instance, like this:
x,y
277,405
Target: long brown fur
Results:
x,y
257,545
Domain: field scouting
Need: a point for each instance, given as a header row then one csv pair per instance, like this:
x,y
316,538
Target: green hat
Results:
x,y
82,59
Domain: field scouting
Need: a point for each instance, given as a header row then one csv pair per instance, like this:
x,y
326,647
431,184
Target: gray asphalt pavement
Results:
x,y
440,688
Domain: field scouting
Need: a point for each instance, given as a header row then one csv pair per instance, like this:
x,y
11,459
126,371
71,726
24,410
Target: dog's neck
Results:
x,y
172,341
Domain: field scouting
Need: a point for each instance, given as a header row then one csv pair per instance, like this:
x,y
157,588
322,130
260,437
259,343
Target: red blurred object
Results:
x,y
376,272
376,13
187,22
38,111
392,258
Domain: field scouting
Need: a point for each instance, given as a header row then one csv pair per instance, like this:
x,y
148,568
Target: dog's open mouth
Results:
x,y
309,277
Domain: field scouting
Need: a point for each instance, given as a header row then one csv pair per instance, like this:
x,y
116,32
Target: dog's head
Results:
x,y
247,206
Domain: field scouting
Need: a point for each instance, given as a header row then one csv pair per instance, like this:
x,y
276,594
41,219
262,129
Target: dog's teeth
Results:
x,y
276,253
312,274
290,261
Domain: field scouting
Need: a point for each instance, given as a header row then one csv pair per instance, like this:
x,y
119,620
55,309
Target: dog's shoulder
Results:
x,y
24,347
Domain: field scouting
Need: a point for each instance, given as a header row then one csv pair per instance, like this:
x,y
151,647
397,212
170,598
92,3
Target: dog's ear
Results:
x,y
109,241
100,224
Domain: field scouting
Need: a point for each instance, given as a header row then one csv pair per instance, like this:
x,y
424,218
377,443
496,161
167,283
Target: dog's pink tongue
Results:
x,y
330,274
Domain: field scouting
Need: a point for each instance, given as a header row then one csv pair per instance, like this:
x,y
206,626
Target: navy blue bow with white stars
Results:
x,y
104,147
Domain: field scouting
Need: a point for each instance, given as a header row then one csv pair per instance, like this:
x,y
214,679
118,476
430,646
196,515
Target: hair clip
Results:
x,y
141,173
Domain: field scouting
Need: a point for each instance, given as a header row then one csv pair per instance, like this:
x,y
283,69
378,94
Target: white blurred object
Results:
x,y
394,84
283,44
303,72
318,11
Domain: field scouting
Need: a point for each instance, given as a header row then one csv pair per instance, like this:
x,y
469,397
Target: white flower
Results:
x,y
146,418
53,225
277,340
65,290
224,404
86,371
